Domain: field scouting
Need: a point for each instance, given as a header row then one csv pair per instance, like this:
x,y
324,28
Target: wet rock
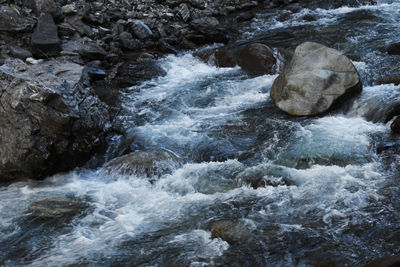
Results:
x,y
259,177
128,42
43,6
232,231
145,163
226,57
45,41
141,30
309,17
394,49
387,261
56,208
395,79
395,126
131,73
11,20
315,79
19,52
258,59
51,119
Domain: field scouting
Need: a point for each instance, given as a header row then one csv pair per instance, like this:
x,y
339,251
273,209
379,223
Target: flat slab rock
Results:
x,y
315,78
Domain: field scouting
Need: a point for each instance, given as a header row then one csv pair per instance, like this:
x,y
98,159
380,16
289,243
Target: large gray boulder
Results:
x,y
50,118
315,78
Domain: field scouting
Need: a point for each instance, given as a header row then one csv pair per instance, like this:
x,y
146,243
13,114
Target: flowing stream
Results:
x,y
326,196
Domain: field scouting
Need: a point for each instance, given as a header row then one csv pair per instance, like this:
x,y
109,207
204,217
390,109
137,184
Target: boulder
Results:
x,y
225,57
211,28
51,119
56,208
141,30
76,23
258,59
145,163
85,47
11,20
394,49
45,41
315,79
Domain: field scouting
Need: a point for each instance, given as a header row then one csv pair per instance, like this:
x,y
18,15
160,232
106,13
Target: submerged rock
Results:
x,y
56,208
51,119
232,231
145,163
315,79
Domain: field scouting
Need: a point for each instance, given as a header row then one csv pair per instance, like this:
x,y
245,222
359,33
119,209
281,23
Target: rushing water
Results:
x,y
328,196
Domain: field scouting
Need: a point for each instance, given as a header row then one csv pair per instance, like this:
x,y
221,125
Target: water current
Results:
x,y
291,191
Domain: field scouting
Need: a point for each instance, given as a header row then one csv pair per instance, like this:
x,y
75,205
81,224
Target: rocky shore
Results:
x,y
63,63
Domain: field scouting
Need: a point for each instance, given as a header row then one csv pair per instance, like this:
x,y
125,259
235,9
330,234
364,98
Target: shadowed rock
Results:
x,y
45,41
56,208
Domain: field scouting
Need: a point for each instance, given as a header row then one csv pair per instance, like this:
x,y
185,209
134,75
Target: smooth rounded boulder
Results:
x,y
316,78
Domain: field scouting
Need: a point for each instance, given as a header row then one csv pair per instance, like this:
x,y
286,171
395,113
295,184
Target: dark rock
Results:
x,y
19,52
210,27
245,16
232,231
51,119
226,57
45,41
128,42
86,48
56,208
11,20
395,79
79,26
131,73
315,79
43,6
309,17
258,59
395,126
145,163
141,30
394,49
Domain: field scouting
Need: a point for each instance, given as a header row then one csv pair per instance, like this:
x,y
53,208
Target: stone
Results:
x,y
258,59
315,79
232,231
145,163
211,28
85,47
70,9
394,49
56,208
395,126
45,41
128,42
43,6
52,120
226,57
184,12
19,52
141,30
11,20
391,78
79,26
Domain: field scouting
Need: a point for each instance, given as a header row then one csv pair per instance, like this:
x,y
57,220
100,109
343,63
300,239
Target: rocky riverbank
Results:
x,y
65,61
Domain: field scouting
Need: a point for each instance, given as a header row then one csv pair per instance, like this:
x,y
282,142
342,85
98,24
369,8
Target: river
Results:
x,y
328,197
